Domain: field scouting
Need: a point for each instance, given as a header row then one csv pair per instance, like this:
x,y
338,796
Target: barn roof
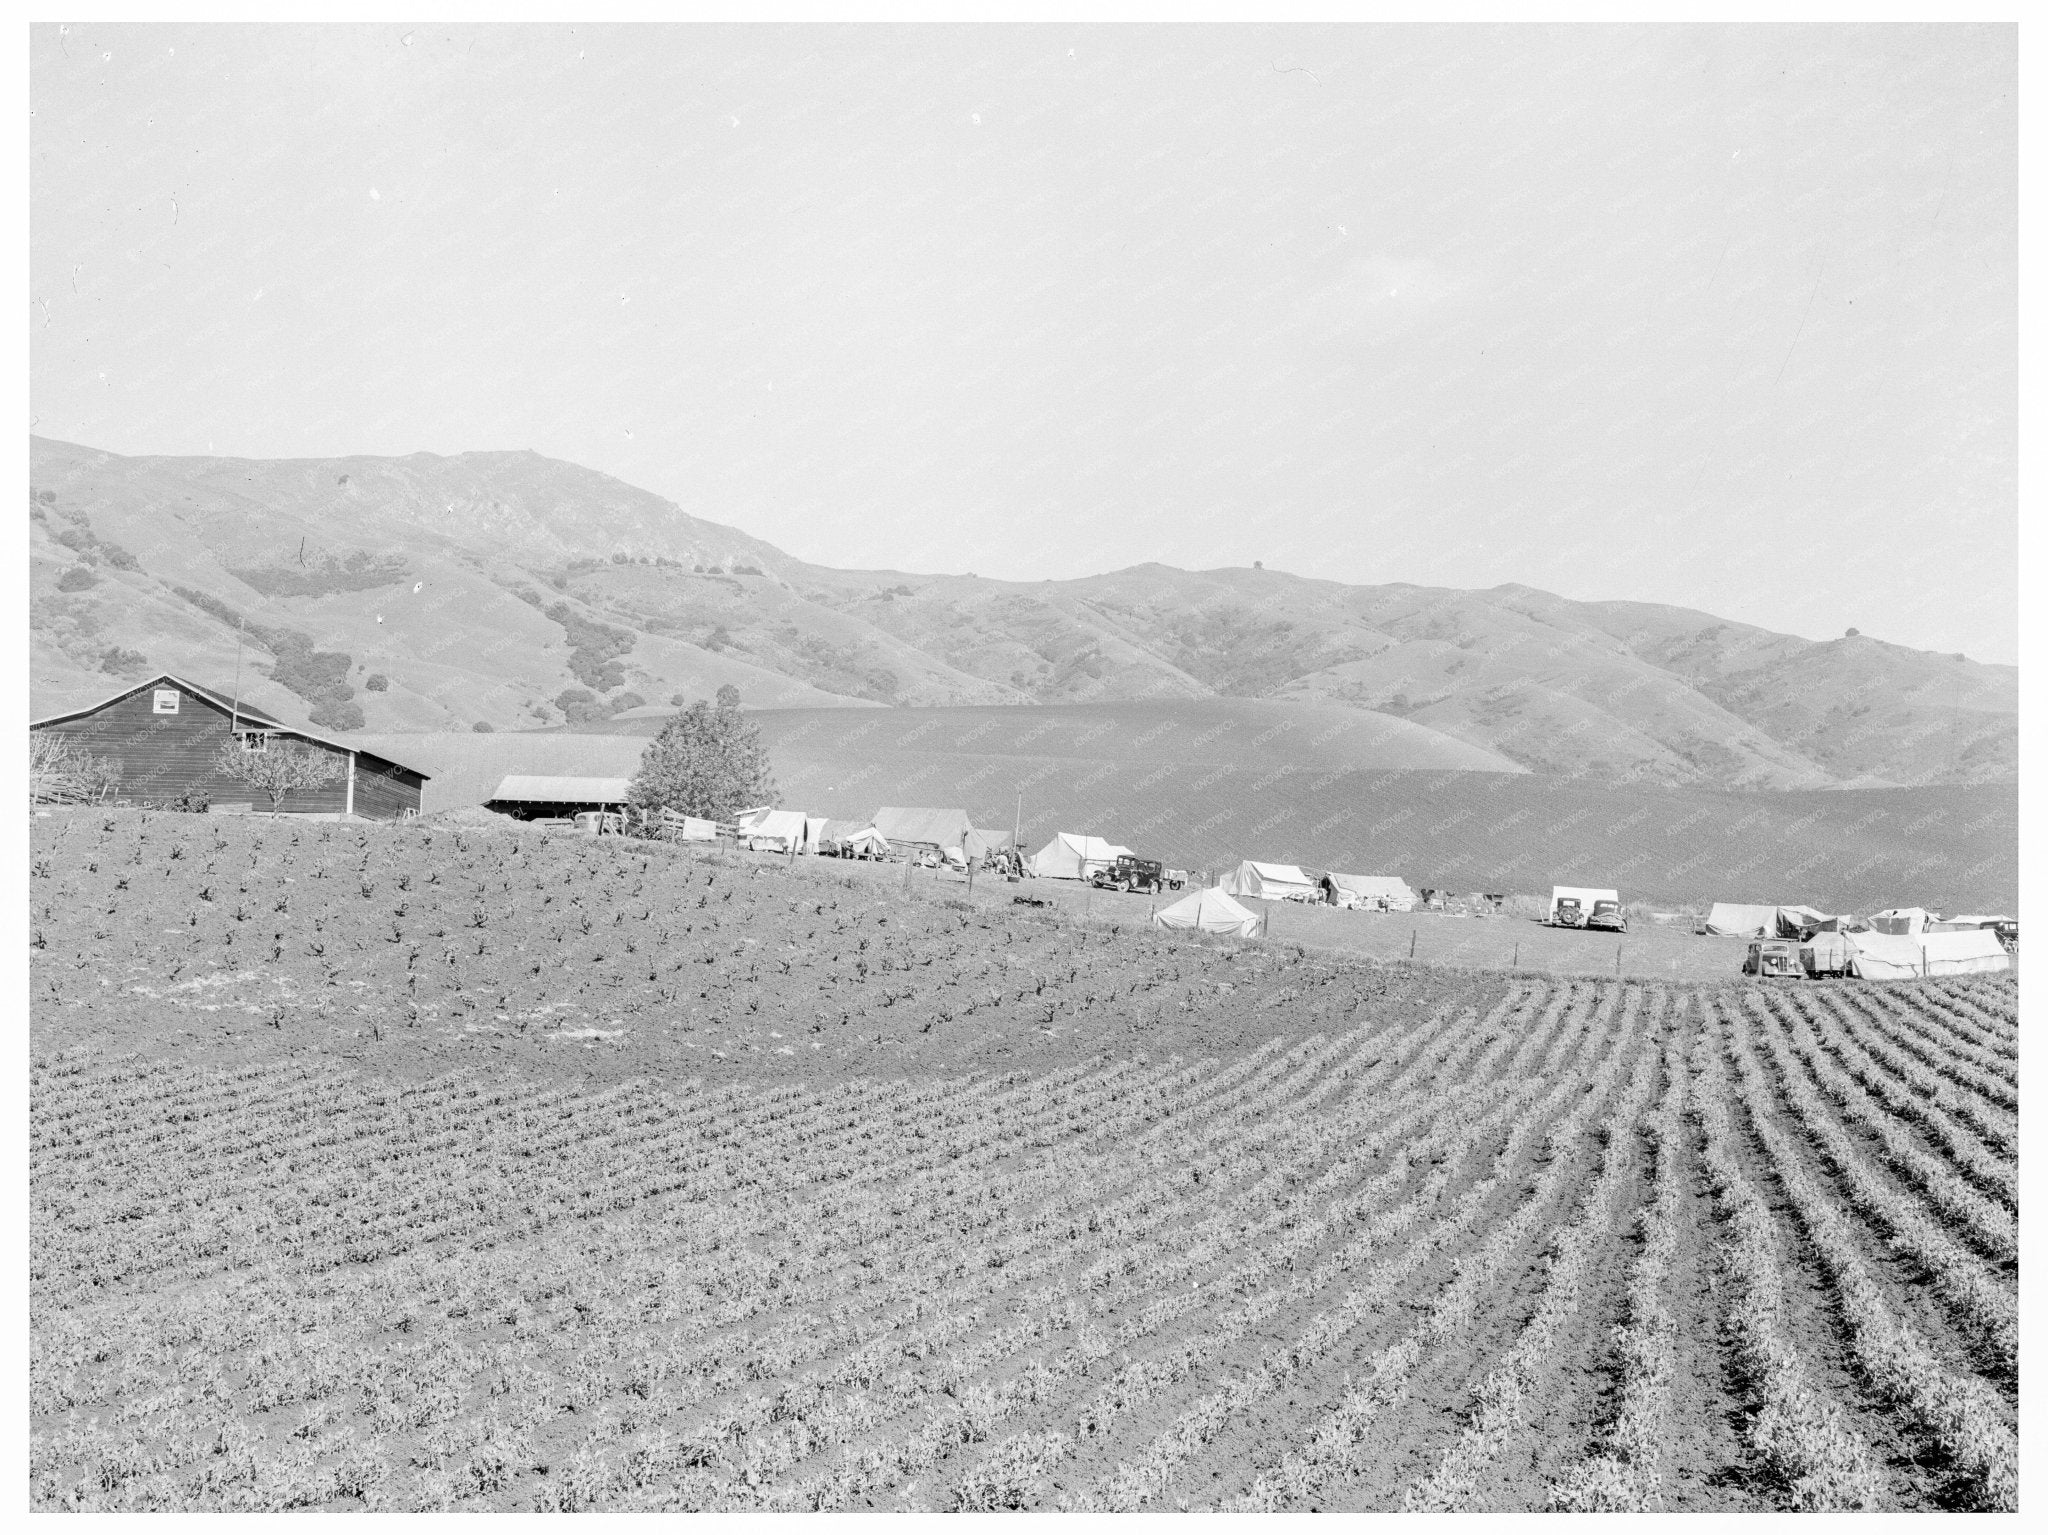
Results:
x,y
219,700
537,788
224,702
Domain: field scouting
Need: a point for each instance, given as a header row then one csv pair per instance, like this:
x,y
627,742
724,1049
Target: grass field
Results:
x,y
476,1168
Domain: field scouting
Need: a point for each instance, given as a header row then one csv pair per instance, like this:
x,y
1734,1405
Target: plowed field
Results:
x,y
348,1222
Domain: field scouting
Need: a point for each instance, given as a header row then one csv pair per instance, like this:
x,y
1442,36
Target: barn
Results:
x,y
163,736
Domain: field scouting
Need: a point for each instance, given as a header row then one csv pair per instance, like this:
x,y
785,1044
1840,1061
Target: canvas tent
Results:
x,y
1071,855
918,828
1897,957
1369,892
776,831
1730,919
1268,882
1795,921
980,843
1585,896
1210,911
853,839
1827,953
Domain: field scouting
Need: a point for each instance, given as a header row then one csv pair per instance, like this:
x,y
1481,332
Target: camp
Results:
x,y
1368,892
1268,882
1900,921
1898,957
1072,855
1209,911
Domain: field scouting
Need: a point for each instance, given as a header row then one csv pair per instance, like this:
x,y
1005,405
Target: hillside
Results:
x,y
1200,804
431,593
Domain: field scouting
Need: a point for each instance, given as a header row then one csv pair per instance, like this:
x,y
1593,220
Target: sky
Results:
x,y
1718,317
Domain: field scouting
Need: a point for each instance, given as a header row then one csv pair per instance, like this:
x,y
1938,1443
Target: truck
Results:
x,y
1607,917
1130,873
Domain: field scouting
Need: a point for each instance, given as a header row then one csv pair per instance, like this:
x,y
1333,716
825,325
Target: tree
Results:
x,y
278,768
64,774
728,696
708,761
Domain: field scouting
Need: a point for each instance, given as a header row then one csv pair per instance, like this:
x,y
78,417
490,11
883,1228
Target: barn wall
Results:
x,y
162,756
384,790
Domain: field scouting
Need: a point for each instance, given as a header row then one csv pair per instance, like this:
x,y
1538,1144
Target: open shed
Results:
x,y
531,796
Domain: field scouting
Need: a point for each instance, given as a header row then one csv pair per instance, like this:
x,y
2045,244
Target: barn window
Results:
x,y
255,741
166,701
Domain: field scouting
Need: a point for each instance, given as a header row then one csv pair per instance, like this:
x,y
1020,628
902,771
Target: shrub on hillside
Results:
x,y
627,700
593,648
581,706
708,761
483,727
377,682
117,661
77,579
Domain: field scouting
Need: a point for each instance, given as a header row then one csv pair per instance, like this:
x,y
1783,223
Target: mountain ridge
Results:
x,y
431,591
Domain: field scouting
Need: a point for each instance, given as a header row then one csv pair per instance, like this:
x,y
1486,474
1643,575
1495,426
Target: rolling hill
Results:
x,y
429,593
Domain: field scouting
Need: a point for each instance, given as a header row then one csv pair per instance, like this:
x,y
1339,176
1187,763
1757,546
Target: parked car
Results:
x,y
1568,914
1608,917
1176,878
1130,873
1773,957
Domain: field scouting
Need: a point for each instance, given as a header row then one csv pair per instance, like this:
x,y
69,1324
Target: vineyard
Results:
x,y
350,1222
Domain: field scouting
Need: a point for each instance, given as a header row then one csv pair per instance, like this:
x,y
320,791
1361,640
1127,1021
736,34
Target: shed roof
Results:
x,y
536,788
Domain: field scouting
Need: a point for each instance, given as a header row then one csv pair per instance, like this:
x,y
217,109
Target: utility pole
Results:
x,y
235,717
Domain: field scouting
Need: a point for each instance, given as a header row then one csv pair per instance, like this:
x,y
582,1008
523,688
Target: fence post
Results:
x,y
1923,961
1518,955
1617,959
1411,943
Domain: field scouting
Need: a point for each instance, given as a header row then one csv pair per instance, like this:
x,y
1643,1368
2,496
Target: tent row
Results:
x,y
1730,920
1874,956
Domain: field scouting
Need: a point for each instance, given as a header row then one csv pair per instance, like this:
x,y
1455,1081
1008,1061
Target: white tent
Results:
x,y
814,832
1587,896
1898,957
1212,912
775,831
1729,919
854,839
1370,892
1071,855
1900,921
1268,882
